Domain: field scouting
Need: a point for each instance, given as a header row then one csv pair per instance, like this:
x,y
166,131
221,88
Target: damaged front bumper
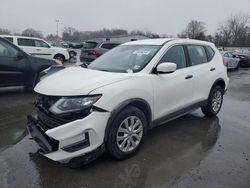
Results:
x,y
81,138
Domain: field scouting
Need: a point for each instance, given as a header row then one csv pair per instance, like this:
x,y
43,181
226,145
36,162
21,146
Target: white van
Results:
x,y
38,47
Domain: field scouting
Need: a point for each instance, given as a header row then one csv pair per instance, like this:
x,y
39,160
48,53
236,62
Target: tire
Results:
x,y
123,142
60,57
72,54
214,103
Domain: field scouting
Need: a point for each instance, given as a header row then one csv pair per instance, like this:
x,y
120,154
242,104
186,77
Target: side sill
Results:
x,y
177,114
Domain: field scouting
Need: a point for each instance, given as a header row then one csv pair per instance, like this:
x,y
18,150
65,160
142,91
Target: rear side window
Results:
x,y
9,39
25,42
109,46
89,45
210,53
197,54
7,50
175,55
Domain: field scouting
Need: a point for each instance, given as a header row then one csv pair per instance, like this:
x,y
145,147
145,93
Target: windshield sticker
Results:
x,y
136,67
141,52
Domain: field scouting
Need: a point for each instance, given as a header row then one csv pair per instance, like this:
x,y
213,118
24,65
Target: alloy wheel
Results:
x,y
129,134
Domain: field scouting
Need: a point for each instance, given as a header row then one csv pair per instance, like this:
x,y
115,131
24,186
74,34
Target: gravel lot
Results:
x,y
192,151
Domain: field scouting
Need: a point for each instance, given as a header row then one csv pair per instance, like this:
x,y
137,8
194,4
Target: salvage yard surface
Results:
x,y
192,151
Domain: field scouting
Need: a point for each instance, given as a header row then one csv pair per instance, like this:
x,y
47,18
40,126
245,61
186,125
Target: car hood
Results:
x,y
75,81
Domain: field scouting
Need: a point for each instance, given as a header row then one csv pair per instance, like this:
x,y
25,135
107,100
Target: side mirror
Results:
x,y
19,56
165,68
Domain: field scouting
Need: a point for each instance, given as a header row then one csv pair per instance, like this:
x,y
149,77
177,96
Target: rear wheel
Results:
x,y
214,103
127,133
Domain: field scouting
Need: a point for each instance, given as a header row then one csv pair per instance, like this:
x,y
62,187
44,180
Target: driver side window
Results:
x,y
39,43
175,55
6,50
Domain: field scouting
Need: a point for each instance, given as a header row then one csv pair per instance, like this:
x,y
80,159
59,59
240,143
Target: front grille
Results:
x,y
48,120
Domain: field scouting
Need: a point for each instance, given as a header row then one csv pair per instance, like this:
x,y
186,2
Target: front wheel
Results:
x,y
214,102
127,133
60,58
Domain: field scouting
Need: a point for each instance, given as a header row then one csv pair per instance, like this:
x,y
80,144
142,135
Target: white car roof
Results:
x,y
15,36
162,41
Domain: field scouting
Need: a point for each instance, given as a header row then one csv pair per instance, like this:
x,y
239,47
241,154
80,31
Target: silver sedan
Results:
x,y
232,61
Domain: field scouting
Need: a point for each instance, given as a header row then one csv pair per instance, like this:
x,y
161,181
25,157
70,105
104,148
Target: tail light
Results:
x,y
95,52
225,62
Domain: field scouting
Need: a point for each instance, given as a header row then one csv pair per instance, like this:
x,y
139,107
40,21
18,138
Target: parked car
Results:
x,y
124,93
232,62
18,68
75,45
38,47
92,49
244,59
72,51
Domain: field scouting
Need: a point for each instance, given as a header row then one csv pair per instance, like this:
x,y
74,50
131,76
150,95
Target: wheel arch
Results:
x,y
59,54
220,82
137,102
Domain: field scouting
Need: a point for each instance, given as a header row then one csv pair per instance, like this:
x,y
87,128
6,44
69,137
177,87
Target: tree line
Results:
x,y
234,31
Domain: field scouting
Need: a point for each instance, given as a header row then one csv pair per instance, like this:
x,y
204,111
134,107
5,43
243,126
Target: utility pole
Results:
x,y
57,22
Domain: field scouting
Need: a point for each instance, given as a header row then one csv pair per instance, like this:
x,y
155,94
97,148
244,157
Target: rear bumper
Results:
x,y
71,140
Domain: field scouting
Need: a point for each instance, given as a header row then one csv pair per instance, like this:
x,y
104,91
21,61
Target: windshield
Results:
x,y
126,58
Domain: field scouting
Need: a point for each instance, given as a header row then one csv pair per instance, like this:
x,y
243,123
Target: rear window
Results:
x,y
89,45
9,39
197,54
25,42
109,46
210,53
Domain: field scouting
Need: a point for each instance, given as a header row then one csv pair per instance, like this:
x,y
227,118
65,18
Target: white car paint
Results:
x,y
48,51
165,93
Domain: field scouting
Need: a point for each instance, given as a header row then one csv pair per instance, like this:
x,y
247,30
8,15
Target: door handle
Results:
x,y
38,49
212,69
188,77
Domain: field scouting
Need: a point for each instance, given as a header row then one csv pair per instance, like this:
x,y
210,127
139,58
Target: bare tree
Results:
x,y
233,31
53,38
4,31
32,33
194,30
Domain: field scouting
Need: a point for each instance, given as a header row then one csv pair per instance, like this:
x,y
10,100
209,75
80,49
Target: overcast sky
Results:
x,y
161,16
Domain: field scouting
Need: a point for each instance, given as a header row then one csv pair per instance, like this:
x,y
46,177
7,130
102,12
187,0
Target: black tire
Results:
x,y
112,143
208,110
72,54
237,68
60,57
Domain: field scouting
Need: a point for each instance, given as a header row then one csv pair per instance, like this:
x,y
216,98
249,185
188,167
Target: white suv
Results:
x,y
112,103
38,47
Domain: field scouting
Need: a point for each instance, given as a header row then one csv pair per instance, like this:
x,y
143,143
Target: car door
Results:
x,y
203,70
173,91
233,62
13,66
43,49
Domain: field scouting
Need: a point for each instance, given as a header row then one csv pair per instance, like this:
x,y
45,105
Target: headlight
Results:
x,y
66,105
